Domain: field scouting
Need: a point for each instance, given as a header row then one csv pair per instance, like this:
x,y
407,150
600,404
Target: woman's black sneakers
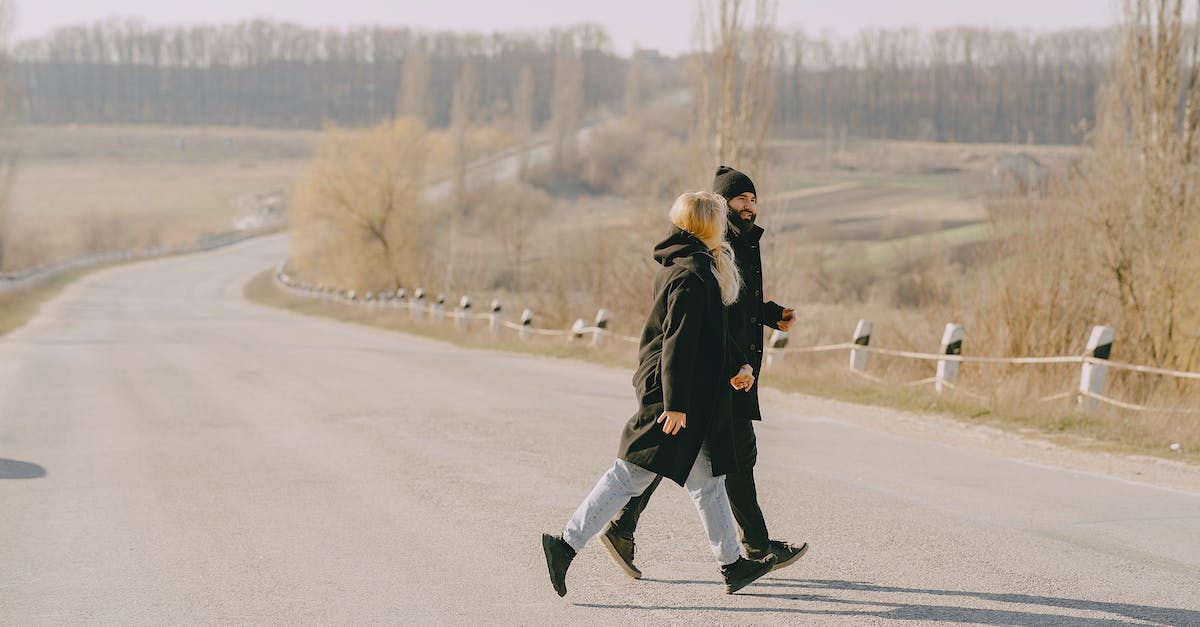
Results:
x,y
558,559
741,573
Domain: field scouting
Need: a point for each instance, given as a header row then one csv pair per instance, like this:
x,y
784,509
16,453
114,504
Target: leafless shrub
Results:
x,y
359,215
1116,242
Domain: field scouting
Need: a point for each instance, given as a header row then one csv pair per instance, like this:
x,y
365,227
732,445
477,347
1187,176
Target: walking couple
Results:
x,y
695,384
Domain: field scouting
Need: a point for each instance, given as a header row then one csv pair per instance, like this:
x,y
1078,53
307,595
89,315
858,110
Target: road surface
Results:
x,y
170,453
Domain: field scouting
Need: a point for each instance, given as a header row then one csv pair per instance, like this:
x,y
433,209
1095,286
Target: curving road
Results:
x,y
170,453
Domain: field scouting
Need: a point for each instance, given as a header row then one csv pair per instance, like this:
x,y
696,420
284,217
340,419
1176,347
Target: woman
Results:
x,y
687,367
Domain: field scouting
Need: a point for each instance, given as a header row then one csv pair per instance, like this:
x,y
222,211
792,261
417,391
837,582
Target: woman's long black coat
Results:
x,y
684,365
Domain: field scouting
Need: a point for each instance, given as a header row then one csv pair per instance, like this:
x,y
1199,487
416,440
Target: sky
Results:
x,y
665,25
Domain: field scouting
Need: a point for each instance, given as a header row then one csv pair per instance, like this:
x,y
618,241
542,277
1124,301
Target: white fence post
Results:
x,y
576,330
439,308
862,337
401,297
526,324
601,328
464,314
1092,377
947,371
495,321
417,306
779,339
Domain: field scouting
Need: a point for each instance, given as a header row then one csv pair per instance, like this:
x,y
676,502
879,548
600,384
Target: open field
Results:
x,y
84,188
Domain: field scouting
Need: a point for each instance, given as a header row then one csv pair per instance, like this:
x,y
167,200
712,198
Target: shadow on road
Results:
x,y
13,469
875,604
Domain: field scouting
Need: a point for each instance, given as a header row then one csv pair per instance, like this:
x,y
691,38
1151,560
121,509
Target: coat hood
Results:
x,y
679,248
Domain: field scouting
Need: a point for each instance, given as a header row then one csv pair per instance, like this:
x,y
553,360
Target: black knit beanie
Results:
x,y
729,183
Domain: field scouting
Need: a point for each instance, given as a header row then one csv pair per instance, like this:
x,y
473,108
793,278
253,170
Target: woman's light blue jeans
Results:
x,y
624,481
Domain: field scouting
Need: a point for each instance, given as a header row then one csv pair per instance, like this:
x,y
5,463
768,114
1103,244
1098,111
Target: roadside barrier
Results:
x,y
1094,363
10,281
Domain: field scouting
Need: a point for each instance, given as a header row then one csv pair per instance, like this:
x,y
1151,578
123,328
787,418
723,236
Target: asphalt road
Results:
x,y
170,453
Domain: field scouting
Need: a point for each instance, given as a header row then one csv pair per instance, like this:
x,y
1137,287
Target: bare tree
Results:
x,y
8,118
462,112
358,214
523,115
413,99
734,78
566,106
523,103
633,86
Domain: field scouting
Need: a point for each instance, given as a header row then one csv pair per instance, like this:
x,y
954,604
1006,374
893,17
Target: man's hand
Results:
x,y
789,317
744,379
673,421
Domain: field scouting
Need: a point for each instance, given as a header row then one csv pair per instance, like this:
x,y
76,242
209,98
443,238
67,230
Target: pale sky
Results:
x,y
662,24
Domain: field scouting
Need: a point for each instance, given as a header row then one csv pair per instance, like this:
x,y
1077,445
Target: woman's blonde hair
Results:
x,y
703,214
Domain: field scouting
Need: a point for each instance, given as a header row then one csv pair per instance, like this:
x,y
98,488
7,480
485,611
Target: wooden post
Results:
x,y
779,339
862,337
947,371
464,314
601,328
1092,377
526,324
495,321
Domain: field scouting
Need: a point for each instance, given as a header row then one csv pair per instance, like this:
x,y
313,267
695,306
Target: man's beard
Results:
x,y
735,218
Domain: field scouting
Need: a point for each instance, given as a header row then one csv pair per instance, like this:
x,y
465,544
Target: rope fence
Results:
x,y
1093,364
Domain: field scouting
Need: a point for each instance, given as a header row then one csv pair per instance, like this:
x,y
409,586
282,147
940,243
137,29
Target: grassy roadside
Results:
x,y
1058,423
18,306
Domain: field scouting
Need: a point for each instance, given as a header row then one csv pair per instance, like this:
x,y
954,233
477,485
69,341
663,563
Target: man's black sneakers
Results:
x,y
621,551
741,573
558,559
785,553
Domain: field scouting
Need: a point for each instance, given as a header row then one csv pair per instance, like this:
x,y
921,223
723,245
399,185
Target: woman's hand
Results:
x,y
744,379
672,421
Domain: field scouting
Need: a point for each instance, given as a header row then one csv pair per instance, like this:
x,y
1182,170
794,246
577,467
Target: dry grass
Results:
x,y
80,189
18,306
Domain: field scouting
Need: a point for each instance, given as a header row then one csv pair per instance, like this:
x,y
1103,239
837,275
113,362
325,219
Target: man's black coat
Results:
x,y
749,314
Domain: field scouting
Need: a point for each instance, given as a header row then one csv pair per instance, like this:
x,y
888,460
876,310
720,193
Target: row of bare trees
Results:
x,y
264,73
959,84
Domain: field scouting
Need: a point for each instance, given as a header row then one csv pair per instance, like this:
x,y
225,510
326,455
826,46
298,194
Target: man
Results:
x,y
746,320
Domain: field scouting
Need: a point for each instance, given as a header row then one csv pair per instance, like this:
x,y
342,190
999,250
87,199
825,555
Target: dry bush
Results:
x,y
508,213
360,218
1115,241
639,159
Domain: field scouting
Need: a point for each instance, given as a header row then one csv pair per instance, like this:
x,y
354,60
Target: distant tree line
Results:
x,y
275,74
960,84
